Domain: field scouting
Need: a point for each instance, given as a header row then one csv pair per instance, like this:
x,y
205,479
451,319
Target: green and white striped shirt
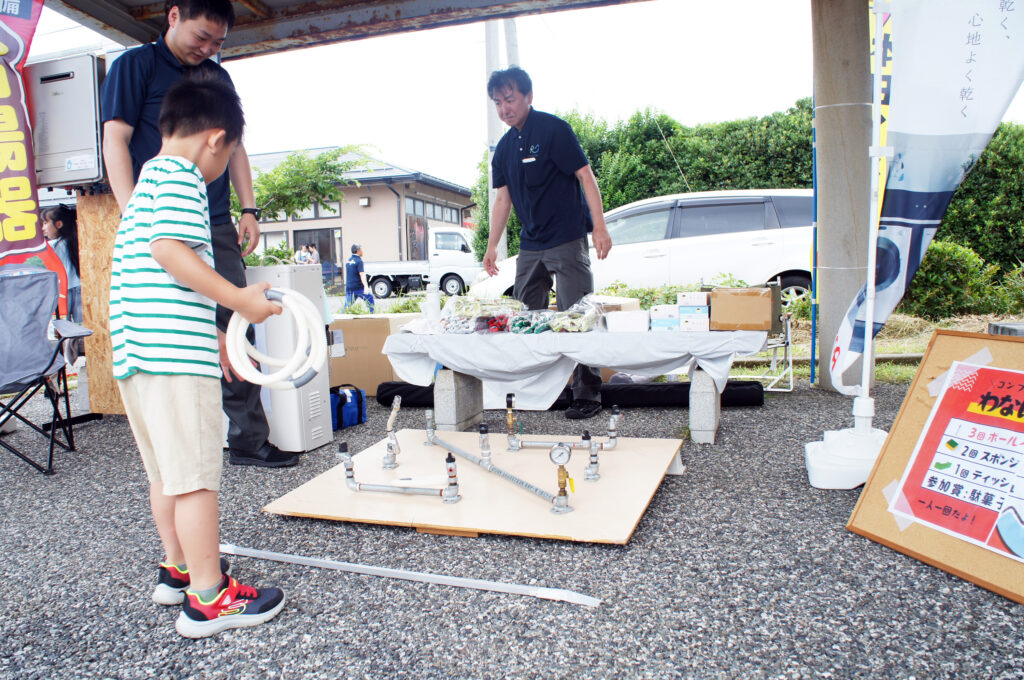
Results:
x,y
157,324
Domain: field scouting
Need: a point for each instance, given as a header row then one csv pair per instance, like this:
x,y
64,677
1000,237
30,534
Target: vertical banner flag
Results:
x,y
21,232
955,67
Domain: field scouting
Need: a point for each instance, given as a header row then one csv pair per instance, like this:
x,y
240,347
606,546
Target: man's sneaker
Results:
x,y
268,455
581,409
234,606
172,583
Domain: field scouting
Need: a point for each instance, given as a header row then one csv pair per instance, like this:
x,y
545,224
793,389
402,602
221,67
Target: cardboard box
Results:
x,y
363,364
664,312
694,324
692,298
741,309
636,321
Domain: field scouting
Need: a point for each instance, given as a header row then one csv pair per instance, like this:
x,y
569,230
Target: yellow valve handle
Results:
x,y
572,487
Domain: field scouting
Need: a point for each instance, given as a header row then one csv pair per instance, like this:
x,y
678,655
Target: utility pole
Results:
x,y
494,129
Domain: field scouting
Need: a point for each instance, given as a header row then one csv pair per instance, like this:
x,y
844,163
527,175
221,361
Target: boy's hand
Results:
x,y
253,304
225,363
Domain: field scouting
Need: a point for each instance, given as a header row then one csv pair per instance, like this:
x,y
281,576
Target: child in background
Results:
x,y
163,297
60,226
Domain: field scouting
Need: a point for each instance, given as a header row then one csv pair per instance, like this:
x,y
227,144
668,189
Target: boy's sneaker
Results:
x,y
172,583
234,606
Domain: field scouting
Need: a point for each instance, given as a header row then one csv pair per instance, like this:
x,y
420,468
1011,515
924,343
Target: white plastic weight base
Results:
x,y
843,460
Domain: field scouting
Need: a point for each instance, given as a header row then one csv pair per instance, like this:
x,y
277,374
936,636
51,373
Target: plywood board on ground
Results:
x,y
605,511
872,518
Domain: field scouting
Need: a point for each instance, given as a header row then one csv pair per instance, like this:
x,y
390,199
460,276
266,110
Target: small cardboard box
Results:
x,y
635,321
692,298
741,309
659,325
363,364
694,324
693,310
664,312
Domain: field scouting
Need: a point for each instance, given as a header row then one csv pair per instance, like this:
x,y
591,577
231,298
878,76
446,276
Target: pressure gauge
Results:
x,y
560,454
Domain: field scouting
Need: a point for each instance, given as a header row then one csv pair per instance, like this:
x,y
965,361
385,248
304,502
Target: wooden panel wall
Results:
x,y
98,218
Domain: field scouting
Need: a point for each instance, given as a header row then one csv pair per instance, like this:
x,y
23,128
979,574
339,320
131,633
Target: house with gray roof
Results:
x,y
386,209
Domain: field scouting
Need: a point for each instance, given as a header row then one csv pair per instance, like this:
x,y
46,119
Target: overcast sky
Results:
x,y
418,99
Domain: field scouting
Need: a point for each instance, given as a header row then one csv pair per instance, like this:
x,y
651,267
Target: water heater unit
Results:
x,y
299,419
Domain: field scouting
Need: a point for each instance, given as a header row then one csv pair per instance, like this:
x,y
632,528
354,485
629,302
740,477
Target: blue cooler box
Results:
x,y
348,407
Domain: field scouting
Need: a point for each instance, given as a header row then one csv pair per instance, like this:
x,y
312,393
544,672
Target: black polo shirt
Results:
x,y
538,164
133,91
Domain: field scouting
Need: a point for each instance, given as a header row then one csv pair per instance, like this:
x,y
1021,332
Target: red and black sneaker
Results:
x,y
172,582
234,606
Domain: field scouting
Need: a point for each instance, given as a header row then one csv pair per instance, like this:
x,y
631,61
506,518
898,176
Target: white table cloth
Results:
x,y
537,367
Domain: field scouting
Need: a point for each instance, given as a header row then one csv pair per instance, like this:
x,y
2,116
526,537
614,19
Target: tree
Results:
x,y
482,212
302,180
987,210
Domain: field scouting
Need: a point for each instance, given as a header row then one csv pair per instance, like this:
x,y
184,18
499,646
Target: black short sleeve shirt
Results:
x,y
133,91
538,164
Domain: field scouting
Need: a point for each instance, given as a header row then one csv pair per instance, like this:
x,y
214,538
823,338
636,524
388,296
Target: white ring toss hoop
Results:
x,y
310,345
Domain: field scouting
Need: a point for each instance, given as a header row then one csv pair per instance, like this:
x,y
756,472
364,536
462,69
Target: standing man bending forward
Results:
x,y
131,97
539,168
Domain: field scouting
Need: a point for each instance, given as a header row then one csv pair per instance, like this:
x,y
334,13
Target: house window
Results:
x,y
330,209
306,214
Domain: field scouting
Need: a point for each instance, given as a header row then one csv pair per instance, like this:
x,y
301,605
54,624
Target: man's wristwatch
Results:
x,y
255,212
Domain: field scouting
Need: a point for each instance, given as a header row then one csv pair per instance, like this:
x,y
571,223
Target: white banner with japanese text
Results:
x,y
955,67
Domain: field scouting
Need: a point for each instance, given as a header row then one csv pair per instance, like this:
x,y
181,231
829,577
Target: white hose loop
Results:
x,y
310,345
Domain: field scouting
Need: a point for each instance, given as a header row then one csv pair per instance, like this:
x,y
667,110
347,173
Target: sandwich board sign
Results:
x,y
948,486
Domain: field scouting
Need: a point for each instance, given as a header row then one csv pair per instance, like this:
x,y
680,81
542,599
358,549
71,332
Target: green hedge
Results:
x,y
953,281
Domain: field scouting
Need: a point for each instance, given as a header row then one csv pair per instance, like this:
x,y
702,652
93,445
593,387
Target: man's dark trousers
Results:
x,y
569,264
241,399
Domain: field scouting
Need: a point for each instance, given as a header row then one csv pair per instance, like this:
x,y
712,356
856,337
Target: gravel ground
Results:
x,y
738,569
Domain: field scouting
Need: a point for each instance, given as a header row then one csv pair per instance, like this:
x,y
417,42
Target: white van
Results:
x,y
754,236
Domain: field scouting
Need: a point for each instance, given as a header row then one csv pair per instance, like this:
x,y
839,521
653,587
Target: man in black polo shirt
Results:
x,y
132,93
539,168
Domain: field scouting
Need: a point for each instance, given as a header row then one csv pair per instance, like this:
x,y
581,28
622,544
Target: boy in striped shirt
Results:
x,y
163,298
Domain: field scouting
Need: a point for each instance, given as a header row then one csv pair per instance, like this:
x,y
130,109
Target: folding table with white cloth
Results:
x,y
536,367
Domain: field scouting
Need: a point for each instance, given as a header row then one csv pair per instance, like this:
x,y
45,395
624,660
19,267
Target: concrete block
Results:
x,y
458,401
705,407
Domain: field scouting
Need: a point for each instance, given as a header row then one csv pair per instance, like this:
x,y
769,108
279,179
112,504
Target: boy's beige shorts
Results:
x,y
179,428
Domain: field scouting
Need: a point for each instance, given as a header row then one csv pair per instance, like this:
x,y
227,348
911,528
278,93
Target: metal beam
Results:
x,y
265,26
109,19
321,23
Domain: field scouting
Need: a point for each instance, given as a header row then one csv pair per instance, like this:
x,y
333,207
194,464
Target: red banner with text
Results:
x,y
21,233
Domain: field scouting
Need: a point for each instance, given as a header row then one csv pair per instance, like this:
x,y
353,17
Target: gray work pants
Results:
x,y
569,265
248,429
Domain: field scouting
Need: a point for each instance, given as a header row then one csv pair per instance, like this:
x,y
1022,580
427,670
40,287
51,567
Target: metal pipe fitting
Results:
x,y
451,492
560,503
430,427
390,460
591,472
485,443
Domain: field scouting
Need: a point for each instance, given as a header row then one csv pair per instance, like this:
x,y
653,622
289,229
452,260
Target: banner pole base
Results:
x,y
844,458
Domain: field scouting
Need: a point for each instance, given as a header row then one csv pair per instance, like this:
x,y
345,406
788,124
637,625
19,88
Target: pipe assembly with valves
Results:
x,y
485,460
449,493
310,345
517,443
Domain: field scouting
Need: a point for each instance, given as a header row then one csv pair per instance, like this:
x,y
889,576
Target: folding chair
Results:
x,y
29,360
